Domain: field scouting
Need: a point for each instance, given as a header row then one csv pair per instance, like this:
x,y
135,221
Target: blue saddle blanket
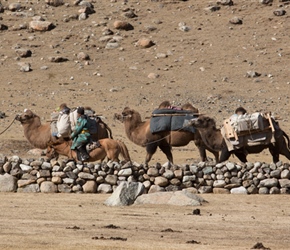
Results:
x,y
171,120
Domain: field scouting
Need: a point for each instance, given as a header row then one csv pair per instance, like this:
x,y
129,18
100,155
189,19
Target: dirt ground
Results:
x,y
206,65
81,221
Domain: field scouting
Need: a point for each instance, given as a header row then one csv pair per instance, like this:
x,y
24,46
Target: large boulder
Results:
x,y
125,194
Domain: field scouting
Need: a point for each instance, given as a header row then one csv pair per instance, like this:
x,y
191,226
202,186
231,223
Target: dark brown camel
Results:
x,y
108,148
214,139
138,131
39,135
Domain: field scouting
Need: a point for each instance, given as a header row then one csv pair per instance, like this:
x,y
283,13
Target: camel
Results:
x,y
39,135
108,148
138,132
214,139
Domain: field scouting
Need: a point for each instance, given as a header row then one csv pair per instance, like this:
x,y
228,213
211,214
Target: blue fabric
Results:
x,y
79,136
164,121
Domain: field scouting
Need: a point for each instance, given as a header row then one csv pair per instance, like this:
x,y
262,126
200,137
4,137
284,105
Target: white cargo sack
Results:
x,y
63,126
73,117
247,122
53,121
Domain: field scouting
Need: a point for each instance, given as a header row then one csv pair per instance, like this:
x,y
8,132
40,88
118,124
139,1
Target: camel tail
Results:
x,y
288,141
124,151
107,128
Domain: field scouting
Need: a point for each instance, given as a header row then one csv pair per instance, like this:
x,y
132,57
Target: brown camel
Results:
x,y
108,148
138,132
39,135
214,139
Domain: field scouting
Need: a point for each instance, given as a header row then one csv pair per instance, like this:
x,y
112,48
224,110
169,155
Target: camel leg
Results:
x,y
241,156
284,150
225,154
150,149
202,153
166,149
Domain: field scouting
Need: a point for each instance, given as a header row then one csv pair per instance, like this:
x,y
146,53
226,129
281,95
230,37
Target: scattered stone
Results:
x,y
129,14
82,56
122,25
54,3
153,75
259,245
41,25
212,8
225,2
57,59
3,27
196,211
23,52
236,20
24,67
252,74
266,1
145,43
2,115
279,12
14,6
83,16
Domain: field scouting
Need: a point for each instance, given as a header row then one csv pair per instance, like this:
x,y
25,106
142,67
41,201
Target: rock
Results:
x,y
104,188
129,14
24,67
239,190
269,183
23,183
3,26
54,3
236,20
155,188
14,6
8,183
111,179
90,187
82,56
153,76
32,188
48,187
41,25
225,2
177,198
64,188
220,191
266,1
125,194
212,8
252,74
145,43
279,12
122,25
161,181
57,59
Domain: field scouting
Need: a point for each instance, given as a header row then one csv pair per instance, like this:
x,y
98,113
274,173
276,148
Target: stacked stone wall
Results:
x,y
30,175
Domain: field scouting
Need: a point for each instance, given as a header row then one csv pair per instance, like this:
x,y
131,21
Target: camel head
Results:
x,y
203,122
127,114
26,117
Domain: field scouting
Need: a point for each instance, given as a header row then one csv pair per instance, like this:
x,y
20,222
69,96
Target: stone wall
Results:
x,y
29,175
